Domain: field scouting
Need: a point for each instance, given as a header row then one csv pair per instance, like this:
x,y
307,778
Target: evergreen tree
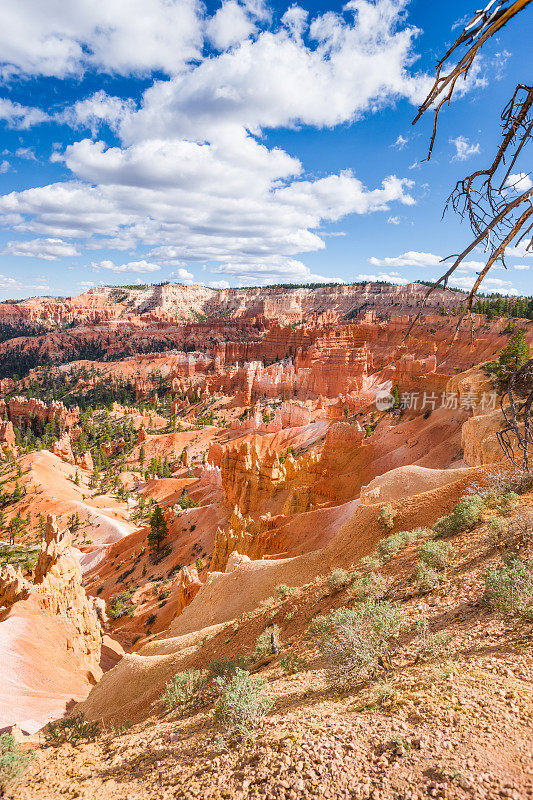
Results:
x,y
514,354
158,528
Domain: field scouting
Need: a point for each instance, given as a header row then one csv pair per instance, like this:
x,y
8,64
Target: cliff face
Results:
x,y
251,476
50,634
23,412
175,302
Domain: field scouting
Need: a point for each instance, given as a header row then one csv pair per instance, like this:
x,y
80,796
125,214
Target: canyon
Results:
x,y
274,439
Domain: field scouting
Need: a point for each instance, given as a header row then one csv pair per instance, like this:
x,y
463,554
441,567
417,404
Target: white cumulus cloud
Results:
x,y
131,266
520,182
229,25
412,258
16,115
48,249
181,275
61,39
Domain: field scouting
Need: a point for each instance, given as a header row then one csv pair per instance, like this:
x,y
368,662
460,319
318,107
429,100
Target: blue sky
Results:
x,y
239,143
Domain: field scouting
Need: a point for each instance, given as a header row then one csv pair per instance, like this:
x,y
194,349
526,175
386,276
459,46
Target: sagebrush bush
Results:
x,y
388,547
427,577
266,602
464,516
497,524
338,579
369,563
507,502
185,690
436,554
242,705
355,642
386,516
263,646
371,585
430,644
503,481
222,667
13,761
283,591
510,588
292,663
121,605
73,729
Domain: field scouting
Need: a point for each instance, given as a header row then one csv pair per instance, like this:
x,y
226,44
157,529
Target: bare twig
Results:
x,y
483,198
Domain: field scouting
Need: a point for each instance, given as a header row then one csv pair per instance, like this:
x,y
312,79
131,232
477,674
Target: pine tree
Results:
x,y
514,354
158,528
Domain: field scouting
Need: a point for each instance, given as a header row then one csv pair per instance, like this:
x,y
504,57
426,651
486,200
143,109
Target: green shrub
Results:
x,y
388,547
427,577
386,516
464,516
356,641
263,646
292,663
507,502
242,705
121,605
73,729
12,760
338,579
372,585
369,563
497,524
184,691
436,554
430,644
510,589
267,602
283,591
223,667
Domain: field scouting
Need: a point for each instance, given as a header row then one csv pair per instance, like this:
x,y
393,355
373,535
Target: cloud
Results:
x,y
520,251
295,20
273,269
229,26
400,142
182,275
9,283
218,285
213,213
463,148
520,182
26,153
95,110
131,266
393,277
521,266
120,37
18,116
495,285
47,249
5,166
344,68
189,174
412,258
393,220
